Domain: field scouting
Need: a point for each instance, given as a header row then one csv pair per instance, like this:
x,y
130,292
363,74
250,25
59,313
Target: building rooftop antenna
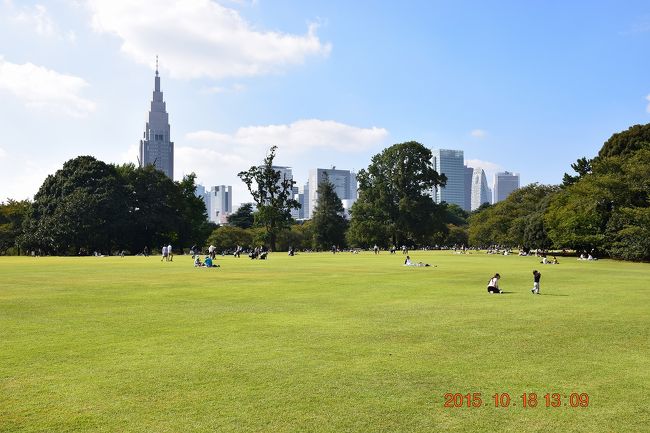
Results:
x,y
156,65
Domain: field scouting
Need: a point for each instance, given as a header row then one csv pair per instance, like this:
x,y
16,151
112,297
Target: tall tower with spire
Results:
x,y
156,146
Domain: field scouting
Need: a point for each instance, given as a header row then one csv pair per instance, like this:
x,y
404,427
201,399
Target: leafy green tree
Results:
x,y
228,237
607,208
243,217
194,226
455,215
457,235
153,205
81,206
582,167
577,216
273,196
329,225
395,192
12,215
505,223
299,236
627,142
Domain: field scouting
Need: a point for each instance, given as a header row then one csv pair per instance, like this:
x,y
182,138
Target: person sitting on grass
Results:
x,y
209,263
197,261
493,284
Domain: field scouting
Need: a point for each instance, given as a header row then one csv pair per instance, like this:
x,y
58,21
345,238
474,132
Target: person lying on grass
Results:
x,y
408,262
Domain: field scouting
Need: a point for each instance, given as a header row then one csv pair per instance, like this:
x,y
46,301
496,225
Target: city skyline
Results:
x,y
524,87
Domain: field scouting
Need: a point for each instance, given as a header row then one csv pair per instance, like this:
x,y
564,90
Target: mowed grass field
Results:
x,y
320,343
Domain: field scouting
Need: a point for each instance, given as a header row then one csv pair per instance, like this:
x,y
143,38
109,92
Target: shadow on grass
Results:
x,y
551,294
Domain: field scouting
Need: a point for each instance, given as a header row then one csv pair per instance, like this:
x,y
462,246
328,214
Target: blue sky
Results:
x,y
521,86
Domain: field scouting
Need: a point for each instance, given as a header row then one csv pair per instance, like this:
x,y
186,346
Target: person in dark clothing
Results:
x,y
536,277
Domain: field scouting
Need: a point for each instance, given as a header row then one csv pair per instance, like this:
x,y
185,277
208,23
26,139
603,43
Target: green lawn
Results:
x,y
320,343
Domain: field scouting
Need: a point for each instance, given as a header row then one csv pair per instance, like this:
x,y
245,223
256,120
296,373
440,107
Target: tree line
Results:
x,y
90,205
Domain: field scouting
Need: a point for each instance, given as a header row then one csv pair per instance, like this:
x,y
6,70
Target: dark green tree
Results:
x,y
154,214
627,142
582,167
329,225
455,215
505,223
12,215
194,226
395,192
243,217
273,196
80,207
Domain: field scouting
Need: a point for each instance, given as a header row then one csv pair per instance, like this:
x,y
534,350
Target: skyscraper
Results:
x,y
218,202
345,185
156,147
303,199
504,183
469,173
480,190
451,164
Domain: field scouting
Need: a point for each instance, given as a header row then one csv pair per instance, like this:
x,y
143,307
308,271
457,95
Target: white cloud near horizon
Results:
x,y
45,89
217,157
490,168
298,137
200,38
478,133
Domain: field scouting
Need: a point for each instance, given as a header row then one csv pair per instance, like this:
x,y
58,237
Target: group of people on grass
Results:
x,y
493,284
207,262
167,255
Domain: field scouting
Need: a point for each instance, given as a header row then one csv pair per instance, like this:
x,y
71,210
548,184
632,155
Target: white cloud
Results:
x,y
478,133
200,38
3,153
298,137
218,157
490,168
42,88
648,107
38,19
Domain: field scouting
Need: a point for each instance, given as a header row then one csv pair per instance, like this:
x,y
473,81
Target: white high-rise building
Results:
x,y
504,184
345,185
451,163
480,190
218,202
156,147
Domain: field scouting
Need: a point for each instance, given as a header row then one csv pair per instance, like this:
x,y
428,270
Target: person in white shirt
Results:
x,y
493,285
164,254
170,255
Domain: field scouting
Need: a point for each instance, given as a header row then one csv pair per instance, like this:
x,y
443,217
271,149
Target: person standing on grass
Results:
x,y
164,253
169,253
536,277
493,284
